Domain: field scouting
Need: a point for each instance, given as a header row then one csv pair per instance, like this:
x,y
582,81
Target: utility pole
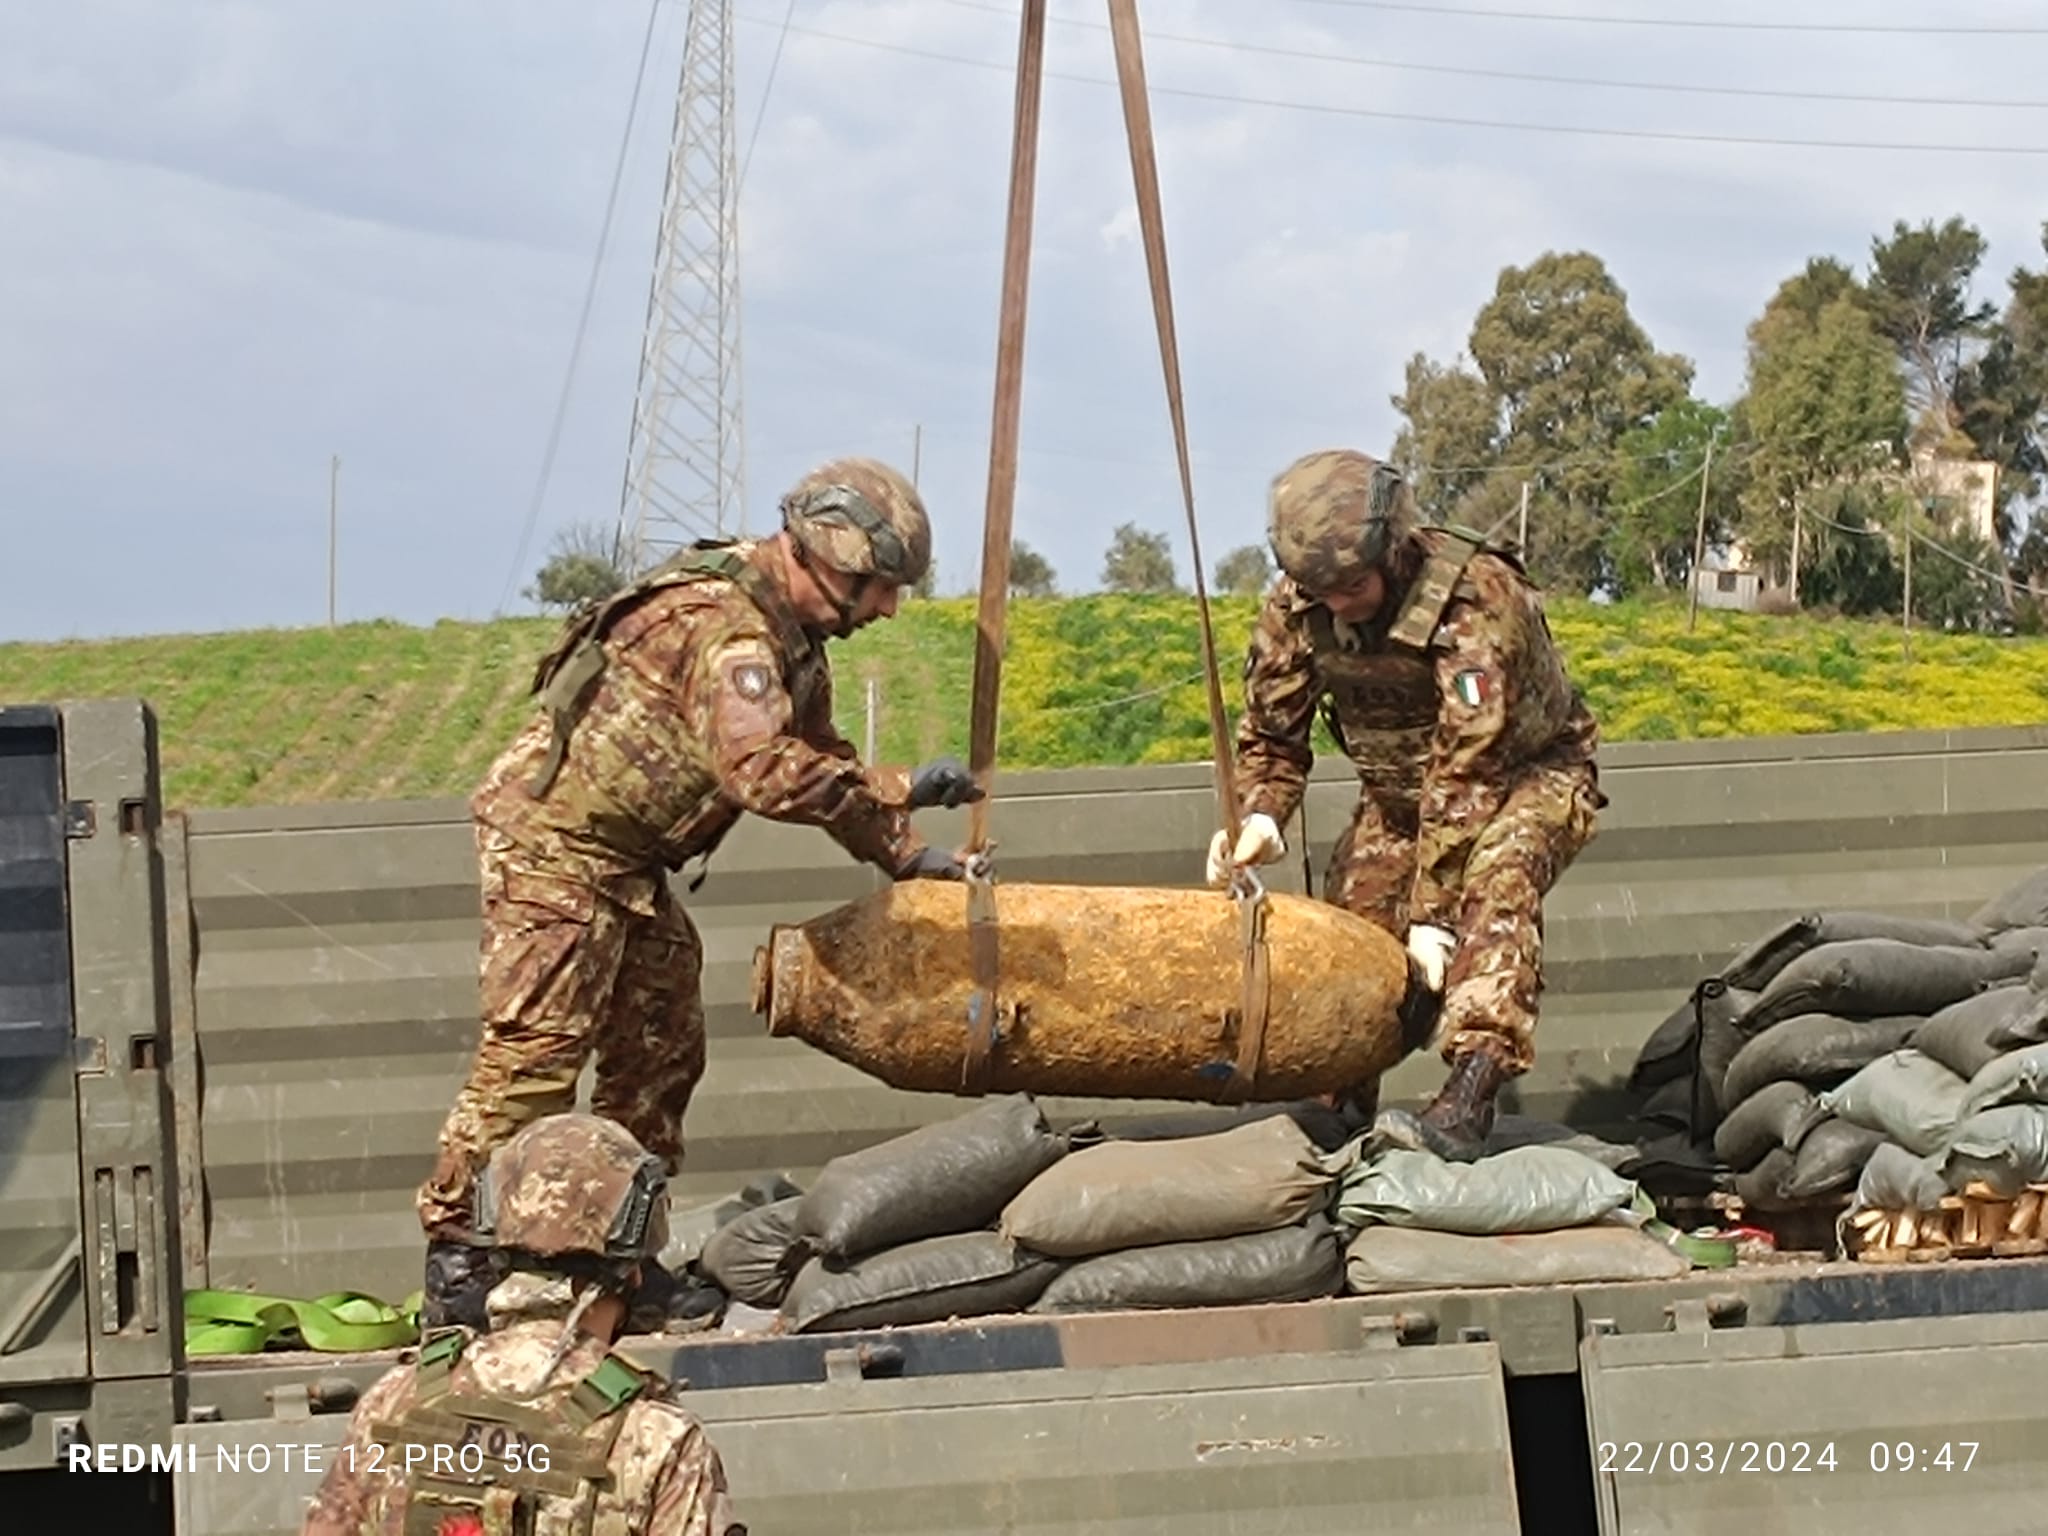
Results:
x,y
333,528
1522,534
1906,538
685,471
868,735
916,452
1699,539
1797,529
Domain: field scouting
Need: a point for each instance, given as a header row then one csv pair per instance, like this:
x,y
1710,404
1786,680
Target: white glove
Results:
x,y
1258,842
1431,948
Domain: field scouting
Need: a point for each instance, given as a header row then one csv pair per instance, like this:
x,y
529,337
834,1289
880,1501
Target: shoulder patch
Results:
x,y
1473,687
750,680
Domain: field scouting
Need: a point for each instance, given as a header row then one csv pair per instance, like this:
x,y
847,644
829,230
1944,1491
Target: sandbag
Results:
x,y
1816,1049
1912,1098
754,1256
2031,942
2018,1077
1382,1259
1778,1115
1965,1036
2022,905
1531,1189
1290,1263
1328,1128
1877,978
1722,1010
1896,1180
1511,1131
954,1176
1762,1188
1670,1051
2005,1148
969,1274
1126,1194
1756,966
691,1228
1670,1106
1829,1159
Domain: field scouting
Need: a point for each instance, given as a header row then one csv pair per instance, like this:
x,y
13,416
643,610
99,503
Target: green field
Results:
x,y
374,711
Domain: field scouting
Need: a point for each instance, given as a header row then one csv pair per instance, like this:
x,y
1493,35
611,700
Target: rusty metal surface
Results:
x,y
1107,990
336,954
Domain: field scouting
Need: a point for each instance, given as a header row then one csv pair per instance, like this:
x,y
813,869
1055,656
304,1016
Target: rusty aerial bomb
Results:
x,y
1102,991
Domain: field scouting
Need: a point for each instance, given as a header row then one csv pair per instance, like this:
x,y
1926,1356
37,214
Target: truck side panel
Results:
x,y
336,956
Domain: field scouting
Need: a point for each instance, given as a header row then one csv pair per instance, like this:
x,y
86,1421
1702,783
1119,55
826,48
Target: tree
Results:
x,y
2002,404
1138,561
1824,398
1919,296
1573,373
1451,441
1245,570
585,566
1657,486
1031,574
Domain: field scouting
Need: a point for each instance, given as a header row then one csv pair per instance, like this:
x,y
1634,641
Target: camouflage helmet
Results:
x,y
862,517
574,1186
1334,514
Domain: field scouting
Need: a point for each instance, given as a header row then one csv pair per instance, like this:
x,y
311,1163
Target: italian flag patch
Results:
x,y
1473,688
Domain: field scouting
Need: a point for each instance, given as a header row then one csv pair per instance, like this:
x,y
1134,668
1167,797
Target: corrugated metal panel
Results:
x,y
1885,1429
1353,1443
337,947
42,1318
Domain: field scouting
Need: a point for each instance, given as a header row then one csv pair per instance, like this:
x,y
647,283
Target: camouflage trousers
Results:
x,y
1495,979
567,974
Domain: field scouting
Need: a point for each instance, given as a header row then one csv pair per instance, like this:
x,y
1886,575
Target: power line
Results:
x,y
1439,120
1697,23
761,112
1527,77
604,234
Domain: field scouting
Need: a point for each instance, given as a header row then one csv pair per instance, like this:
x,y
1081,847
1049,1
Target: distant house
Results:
x,y
1728,578
1965,491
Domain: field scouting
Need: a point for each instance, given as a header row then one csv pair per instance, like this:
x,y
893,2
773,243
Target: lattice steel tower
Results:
x,y
684,466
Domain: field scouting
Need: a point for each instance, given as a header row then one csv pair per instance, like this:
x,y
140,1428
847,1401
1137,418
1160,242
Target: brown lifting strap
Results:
x,y
982,930
1249,893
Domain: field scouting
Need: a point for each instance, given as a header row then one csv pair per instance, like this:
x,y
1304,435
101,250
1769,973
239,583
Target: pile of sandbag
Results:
x,y
1835,1033
1531,1215
996,1212
1969,1170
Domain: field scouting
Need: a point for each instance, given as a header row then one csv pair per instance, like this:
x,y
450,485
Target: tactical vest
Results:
x,y
567,674
475,1465
1380,699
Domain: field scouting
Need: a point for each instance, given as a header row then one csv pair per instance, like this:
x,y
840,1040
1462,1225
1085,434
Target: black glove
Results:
x,y
933,864
943,781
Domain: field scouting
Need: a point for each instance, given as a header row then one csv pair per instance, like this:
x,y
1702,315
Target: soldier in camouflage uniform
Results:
x,y
1430,658
537,1426
700,693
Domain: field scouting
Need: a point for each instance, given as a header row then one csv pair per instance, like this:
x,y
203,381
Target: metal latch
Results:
x,y
861,1362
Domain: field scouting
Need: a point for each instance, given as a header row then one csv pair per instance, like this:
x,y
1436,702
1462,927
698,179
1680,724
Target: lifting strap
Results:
x,y
995,549
1248,892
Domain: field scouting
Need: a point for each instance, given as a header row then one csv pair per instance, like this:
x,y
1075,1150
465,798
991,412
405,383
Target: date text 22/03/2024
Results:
x,y
1684,1457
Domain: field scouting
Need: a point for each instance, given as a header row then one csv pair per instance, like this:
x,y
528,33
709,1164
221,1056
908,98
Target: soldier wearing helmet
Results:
x,y
537,1425
700,693
1429,658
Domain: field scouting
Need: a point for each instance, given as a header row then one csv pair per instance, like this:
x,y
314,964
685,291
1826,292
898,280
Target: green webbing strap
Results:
x,y
1701,1249
609,1387
343,1322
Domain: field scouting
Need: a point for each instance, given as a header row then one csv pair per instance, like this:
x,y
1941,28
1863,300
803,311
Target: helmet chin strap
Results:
x,y
843,607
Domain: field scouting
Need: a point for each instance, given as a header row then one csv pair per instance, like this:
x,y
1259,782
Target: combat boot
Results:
x,y
459,1278
1458,1120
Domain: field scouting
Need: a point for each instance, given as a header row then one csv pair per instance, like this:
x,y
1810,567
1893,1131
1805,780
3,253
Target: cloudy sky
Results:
x,y
240,236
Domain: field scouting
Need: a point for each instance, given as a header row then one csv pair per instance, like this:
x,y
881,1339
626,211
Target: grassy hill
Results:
x,y
382,710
